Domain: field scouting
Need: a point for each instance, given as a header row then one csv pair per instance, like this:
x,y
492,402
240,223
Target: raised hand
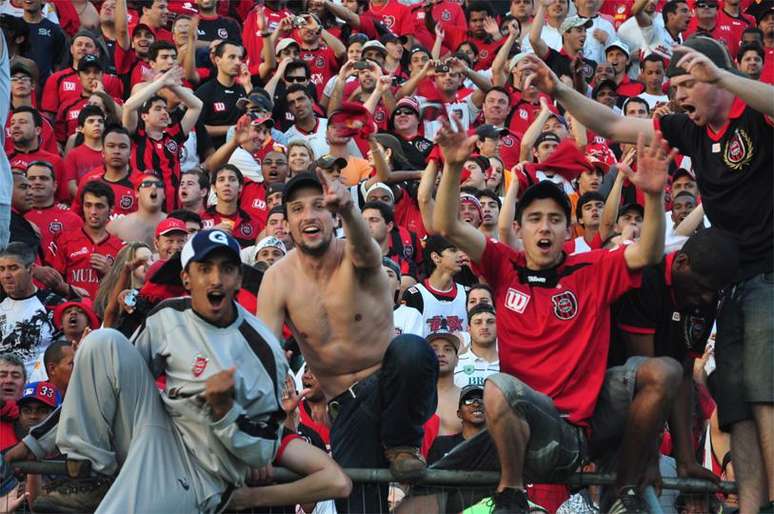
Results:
x,y
347,70
336,197
384,83
600,35
652,164
698,65
290,397
456,145
491,27
439,32
538,74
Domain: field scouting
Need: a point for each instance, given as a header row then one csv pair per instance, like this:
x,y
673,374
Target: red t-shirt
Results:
x,y
407,215
129,64
322,64
629,87
554,327
253,202
64,86
510,147
47,139
447,14
251,36
53,221
66,120
21,160
395,16
71,253
124,191
79,161
244,230
767,73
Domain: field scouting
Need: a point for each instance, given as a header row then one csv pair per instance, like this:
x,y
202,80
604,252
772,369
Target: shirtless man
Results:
x,y
141,225
334,296
446,345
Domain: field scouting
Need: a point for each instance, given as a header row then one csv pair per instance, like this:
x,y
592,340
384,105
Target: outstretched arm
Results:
x,y
271,302
133,104
593,115
507,215
194,105
456,146
652,167
538,45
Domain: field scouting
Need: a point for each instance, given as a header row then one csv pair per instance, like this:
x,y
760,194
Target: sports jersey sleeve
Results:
x,y
495,261
50,99
124,59
143,340
677,129
613,276
413,298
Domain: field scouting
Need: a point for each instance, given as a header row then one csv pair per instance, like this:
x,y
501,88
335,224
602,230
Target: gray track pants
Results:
x,y
113,416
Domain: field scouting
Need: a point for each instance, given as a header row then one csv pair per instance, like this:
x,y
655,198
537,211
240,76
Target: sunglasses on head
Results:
x,y
150,183
295,79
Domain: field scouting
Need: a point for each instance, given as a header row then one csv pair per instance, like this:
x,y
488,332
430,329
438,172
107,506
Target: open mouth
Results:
x,y
311,231
216,299
544,244
688,108
154,195
9,390
72,321
478,412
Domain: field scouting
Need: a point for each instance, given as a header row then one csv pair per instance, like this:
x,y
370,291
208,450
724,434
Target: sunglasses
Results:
x,y
151,183
297,80
405,112
702,5
471,401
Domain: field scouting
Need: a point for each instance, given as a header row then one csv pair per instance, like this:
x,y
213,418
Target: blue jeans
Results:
x,y
744,349
385,410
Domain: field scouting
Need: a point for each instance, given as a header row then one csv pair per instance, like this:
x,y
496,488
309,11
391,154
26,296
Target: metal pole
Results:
x,y
435,477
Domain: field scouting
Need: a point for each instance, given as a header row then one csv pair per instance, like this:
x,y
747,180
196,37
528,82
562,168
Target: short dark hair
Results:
x,y
478,6
37,119
671,8
89,110
501,90
479,308
385,210
146,106
98,189
222,47
158,46
295,88
712,253
653,58
296,64
278,209
491,195
479,285
588,196
44,164
636,100
753,30
185,215
201,177
228,167
750,47
20,251
54,353
118,129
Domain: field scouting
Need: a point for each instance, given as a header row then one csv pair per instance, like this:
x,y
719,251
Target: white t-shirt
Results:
x,y
315,139
26,328
473,370
550,36
593,49
408,321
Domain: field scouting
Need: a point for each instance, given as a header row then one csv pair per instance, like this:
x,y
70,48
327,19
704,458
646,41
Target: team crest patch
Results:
x,y
468,369
739,150
565,305
319,62
246,230
222,33
199,364
126,202
389,21
55,226
172,146
446,15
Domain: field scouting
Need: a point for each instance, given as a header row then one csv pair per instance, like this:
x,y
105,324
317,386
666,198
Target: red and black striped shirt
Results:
x,y
162,157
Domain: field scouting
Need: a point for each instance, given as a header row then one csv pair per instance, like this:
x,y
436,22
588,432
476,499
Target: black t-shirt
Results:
x,y
220,27
416,151
220,105
442,445
282,115
734,174
651,310
46,46
561,64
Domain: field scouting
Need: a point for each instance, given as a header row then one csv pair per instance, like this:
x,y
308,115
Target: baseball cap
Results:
x,y
760,8
516,59
682,172
390,37
617,43
571,22
632,206
276,187
284,43
469,198
382,186
544,189
704,45
407,102
471,390
257,119
391,142
491,131
588,196
89,61
258,97
204,243
386,261
417,48
84,304
169,225
443,334
328,161
45,392
374,45
271,242
546,136
357,38
142,26
299,181
19,67
708,3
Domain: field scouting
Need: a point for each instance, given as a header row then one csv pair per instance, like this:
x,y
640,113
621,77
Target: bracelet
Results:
x,y
265,34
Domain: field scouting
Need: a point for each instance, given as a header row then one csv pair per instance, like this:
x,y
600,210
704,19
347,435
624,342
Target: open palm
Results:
x,y
455,145
652,164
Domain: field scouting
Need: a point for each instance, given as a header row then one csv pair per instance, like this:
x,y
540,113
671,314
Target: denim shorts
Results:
x,y
744,349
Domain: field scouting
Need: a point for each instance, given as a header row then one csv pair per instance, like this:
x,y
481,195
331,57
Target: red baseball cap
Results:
x,y
169,225
44,392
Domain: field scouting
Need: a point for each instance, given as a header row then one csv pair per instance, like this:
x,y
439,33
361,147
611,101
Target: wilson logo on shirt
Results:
x,y
739,150
68,86
219,106
565,305
516,301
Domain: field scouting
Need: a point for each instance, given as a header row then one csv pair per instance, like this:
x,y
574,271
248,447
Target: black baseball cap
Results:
x,y
328,161
90,61
357,38
386,261
276,187
19,67
546,136
299,181
716,52
417,48
632,206
204,243
258,97
491,131
390,37
471,390
541,190
759,9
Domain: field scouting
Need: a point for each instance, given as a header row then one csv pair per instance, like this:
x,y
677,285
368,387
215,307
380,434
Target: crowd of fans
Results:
x,y
571,279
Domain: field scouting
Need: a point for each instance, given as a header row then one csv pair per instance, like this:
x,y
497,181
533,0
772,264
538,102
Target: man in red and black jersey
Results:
x,y
85,256
50,217
227,183
25,128
158,142
553,332
64,85
725,121
116,172
380,221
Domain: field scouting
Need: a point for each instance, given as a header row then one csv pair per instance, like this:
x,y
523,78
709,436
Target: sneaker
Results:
x,y
79,495
510,501
628,501
406,463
